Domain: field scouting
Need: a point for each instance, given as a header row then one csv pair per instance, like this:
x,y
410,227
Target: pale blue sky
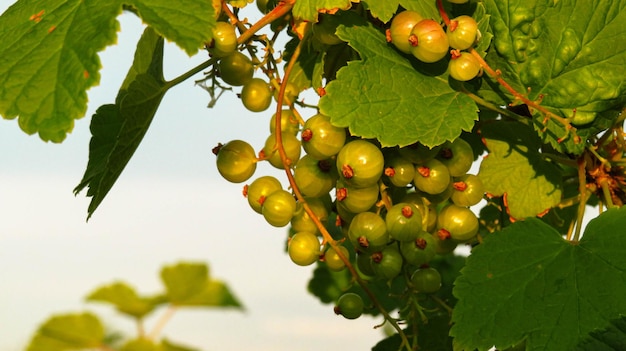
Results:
x,y
169,204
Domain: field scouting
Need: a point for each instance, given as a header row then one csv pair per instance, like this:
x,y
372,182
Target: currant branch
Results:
x,y
325,234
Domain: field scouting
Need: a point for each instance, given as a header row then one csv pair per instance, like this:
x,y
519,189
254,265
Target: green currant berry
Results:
x,y
360,163
419,251
313,177
458,156
462,32
236,161
236,69
332,259
304,248
433,177
259,189
463,66
444,244
302,221
401,26
264,5
427,209
399,170
256,95
224,40
350,305
387,263
428,41
288,122
356,199
404,221
291,94
278,208
468,190
292,147
345,216
368,232
441,197
364,264
321,139
426,280
460,222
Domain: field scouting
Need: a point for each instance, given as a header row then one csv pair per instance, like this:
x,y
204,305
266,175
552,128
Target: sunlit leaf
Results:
x,y
49,53
309,9
564,53
385,97
527,282
514,168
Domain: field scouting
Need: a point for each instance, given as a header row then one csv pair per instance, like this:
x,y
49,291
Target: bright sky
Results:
x,y
169,204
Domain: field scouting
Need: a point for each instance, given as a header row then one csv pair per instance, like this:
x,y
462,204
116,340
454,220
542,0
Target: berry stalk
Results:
x,y
325,234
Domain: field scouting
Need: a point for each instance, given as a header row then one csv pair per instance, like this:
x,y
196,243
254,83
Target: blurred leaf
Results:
x,y
188,284
68,332
526,282
140,344
167,345
125,299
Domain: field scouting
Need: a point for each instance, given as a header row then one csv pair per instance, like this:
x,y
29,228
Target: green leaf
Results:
x,y
385,97
68,332
140,344
515,169
328,285
188,284
384,10
125,299
564,53
144,344
610,338
527,282
188,23
50,51
309,9
49,60
167,345
117,130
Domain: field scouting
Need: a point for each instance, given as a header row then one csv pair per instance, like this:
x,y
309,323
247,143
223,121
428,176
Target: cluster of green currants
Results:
x,y
397,207
427,40
236,69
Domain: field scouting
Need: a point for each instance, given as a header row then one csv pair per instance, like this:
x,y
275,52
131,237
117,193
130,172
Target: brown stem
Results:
x,y
584,196
569,128
325,234
443,13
